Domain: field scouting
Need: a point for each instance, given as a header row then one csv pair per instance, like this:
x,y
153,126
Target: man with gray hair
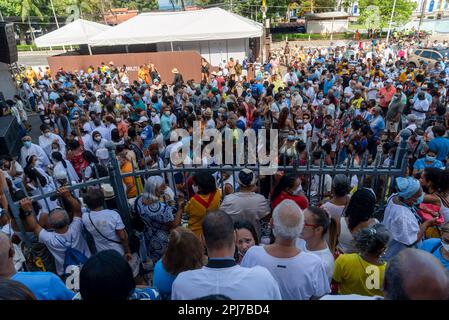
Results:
x,y
66,234
44,285
300,275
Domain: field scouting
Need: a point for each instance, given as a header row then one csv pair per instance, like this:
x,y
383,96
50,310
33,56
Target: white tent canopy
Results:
x,y
77,32
197,25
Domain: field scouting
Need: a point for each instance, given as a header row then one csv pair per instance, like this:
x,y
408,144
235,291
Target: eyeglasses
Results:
x,y
311,225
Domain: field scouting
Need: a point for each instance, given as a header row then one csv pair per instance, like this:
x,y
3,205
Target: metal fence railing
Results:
x,y
313,176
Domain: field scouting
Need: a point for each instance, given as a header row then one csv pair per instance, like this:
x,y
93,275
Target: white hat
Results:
x,y
143,119
399,87
389,80
102,154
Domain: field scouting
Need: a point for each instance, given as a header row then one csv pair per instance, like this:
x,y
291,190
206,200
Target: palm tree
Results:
x,y
177,2
28,8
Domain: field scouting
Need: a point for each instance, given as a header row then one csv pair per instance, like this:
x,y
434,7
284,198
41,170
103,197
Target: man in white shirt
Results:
x,y
222,275
246,204
65,234
46,141
105,226
290,77
30,149
316,225
420,108
300,275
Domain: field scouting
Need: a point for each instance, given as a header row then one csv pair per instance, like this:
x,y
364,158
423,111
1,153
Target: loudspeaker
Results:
x,y
10,139
8,48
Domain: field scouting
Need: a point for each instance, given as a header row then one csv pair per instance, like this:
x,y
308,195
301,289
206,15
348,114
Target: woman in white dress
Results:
x,y
400,216
63,165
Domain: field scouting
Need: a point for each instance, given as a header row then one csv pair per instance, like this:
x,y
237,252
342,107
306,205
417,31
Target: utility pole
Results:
x,y
391,20
54,13
231,7
423,9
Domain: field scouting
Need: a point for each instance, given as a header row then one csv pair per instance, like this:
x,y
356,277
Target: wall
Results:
x,y
325,26
187,62
7,86
214,51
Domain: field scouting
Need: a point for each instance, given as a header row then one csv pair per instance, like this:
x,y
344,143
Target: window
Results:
x,y
435,56
418,52
426,54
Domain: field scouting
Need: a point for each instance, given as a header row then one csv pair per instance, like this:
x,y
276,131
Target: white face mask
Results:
x,y
47,121
153,114
167,113
47,134
195,188
118,119
297,191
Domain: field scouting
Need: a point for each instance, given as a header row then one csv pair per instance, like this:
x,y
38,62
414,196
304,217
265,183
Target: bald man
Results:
x,y
44,285
415,275
300,275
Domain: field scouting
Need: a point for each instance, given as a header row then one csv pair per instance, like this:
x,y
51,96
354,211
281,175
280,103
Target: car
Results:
x,y
428,55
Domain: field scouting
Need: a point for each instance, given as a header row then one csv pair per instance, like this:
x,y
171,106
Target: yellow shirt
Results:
x,y
403,76
357,276
197,212
357,102
130,183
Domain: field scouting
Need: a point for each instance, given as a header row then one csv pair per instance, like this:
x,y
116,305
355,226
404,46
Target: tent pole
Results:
x,y
90,50
171,44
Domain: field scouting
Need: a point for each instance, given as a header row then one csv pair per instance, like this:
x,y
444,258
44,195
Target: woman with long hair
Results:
x,y
285,124
357,215
246,237
62,165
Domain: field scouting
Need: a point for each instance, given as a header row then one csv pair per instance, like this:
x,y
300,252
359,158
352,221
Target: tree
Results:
x,y
28,8
402,12
371,18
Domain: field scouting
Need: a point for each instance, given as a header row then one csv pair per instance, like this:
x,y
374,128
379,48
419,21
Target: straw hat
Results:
x,y
175,70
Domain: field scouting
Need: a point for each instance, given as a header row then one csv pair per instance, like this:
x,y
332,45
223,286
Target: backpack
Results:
x,y
73,257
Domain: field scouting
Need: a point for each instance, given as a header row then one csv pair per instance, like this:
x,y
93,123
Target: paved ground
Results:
x,y
35,122
36,58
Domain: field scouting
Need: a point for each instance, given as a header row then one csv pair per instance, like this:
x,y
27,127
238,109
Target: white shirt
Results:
x,y
300,277
105,133
325,255
234,282
42,159
58,243
421,105
107,222
88,142
401,223
45,143
290,78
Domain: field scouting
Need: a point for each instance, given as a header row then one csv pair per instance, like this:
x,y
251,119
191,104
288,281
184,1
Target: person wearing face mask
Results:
x,y
47,139
420,108
429,161
30,149
401,219
98,142
166,125
439,248
394,114
289,187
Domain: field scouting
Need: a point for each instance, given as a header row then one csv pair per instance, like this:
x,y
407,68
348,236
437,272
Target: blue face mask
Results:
x,y
291,138
27,144
430,158
420,199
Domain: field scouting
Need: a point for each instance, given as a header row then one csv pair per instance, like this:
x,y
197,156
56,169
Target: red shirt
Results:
x,y
301,201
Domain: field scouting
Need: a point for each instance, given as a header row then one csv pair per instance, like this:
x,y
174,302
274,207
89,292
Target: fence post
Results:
x,y
117,183
402,151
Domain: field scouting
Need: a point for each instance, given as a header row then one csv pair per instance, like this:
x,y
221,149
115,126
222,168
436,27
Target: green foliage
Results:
x,y
402,13
29,8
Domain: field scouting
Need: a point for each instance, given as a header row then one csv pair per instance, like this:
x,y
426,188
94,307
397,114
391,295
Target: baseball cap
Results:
x,y
399,87
389,80
143,119
246,177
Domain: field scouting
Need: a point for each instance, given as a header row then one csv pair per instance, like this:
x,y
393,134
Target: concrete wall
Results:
x,y
187,62
327,26
7,86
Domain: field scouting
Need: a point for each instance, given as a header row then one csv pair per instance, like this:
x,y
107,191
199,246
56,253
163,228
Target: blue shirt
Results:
x,y
441,146
162,280
433,246
327,85
147,136
44,285
421,164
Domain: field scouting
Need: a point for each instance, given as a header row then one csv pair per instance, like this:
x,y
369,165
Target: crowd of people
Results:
x,y
216,233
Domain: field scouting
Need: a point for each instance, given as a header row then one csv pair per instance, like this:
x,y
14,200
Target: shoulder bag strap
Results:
x,y
98,231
